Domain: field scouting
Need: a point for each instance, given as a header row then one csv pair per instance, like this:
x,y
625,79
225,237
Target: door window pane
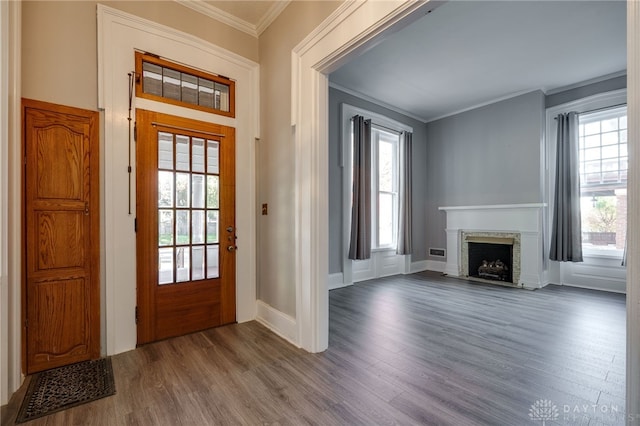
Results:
x,y
183,264
182,189
165,265
197,223
213,201
213,153
197,261
165,189
182,153
197,191
197,152
212,227
165,151
212,261
182,227
165,228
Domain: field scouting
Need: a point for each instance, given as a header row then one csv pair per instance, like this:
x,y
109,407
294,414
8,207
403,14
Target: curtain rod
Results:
x,y
384,127
599,109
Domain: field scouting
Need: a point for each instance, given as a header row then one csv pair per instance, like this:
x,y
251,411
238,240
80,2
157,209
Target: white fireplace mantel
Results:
x,y
524,219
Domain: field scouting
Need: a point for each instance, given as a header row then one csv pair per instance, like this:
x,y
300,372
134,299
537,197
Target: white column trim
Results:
x,y
633,194
11,199
351,28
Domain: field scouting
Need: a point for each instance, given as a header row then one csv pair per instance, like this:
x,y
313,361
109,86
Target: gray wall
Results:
x,y
489,155
585,91
337,97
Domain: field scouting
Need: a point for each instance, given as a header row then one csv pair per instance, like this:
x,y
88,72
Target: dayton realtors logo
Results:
x,y
543,410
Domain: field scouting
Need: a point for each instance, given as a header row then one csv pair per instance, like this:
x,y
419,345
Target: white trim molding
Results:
x,y
281,324
351,28
119,33
336,280
233,21
10,201
633,224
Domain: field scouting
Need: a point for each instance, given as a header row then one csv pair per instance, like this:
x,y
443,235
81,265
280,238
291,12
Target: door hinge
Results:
x,y
135,225
135,131
137,316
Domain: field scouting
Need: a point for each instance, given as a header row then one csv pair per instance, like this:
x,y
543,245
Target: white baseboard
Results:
x,y
418,266
436,265
618,287
281,324
336,280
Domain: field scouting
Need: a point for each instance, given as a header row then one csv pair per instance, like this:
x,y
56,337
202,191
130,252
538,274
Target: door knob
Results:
x,y
231,248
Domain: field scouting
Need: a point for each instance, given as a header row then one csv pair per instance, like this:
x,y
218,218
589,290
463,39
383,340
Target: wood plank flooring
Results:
x,y
415,349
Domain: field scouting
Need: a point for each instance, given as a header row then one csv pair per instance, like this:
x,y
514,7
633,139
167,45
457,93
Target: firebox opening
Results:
x,y
491,261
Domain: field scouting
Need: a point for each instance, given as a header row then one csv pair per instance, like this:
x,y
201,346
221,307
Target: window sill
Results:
x,y
597,254
383,249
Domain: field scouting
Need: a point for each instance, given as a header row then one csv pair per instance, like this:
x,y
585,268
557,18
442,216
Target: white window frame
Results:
x,y
587,249
599,101
374,267
375,187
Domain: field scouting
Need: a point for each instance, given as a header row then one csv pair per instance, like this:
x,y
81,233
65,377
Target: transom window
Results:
x,y
168,82
603,178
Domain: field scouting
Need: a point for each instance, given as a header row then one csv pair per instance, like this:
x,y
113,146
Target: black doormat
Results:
x,y
65,387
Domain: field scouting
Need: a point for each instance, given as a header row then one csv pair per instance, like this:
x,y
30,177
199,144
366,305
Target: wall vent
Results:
x,y
438,252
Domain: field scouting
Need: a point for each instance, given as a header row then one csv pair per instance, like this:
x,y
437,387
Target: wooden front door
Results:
x,y
62,297
185,179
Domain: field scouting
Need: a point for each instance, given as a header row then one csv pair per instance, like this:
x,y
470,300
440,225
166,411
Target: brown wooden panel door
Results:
x,y
185,242
62,295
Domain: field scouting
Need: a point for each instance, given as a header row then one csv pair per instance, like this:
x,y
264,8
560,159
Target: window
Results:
x,y
603,179
172,83
384,187
188,208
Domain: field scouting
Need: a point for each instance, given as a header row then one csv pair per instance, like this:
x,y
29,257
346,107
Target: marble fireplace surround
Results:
x,y
522,222
471,237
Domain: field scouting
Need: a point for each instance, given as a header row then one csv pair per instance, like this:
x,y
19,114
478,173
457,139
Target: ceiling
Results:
x,y
470,53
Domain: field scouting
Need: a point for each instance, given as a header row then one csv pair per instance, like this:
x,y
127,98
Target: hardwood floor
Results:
x,y
416,349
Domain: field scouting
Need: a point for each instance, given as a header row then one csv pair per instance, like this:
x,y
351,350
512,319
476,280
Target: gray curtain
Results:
x,y
360,241
566,233
404,198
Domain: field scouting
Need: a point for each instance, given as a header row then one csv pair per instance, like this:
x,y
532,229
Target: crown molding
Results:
x,y
373,100
232,20
271,15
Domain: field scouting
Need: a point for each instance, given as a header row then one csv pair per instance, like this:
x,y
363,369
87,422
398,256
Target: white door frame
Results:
x,y
119,33
351,29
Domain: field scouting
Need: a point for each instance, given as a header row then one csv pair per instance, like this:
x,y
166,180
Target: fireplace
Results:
x,y
491,256
522,222
491,260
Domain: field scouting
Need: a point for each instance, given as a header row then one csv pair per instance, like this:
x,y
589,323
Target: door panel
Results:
x,y
62,318
185,179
